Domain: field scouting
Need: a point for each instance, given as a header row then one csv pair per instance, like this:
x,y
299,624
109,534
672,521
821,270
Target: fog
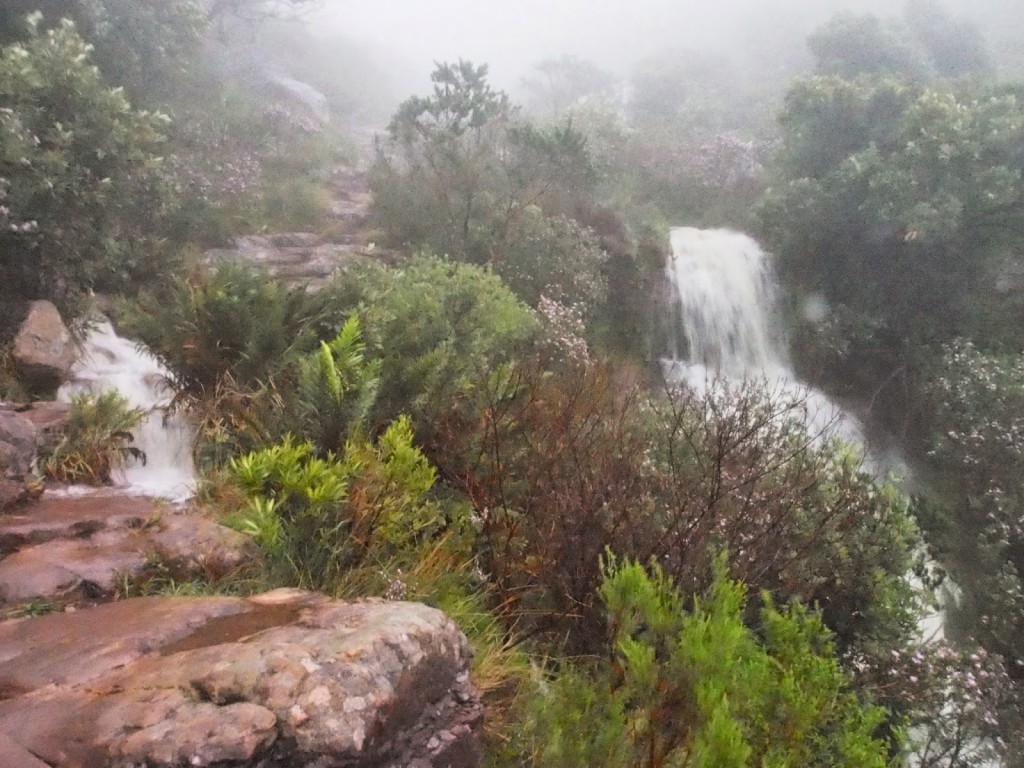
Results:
x,y
615,34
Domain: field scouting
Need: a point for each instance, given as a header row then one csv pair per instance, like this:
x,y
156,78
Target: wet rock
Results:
x,y
287,678
50,419
43,350
18,442
299,258
65,548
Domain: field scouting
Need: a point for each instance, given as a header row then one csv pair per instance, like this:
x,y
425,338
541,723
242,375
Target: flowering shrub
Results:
x,y
554,257
563,332
958,704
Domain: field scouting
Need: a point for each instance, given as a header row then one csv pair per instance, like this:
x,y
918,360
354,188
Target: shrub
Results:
x,y
337,389
232,323
569,462
439,329
98,439
319,518
699,688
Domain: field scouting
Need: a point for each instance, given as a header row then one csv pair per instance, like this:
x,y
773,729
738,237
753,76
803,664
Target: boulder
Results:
x,y
288,678
50,418
43,349
18,443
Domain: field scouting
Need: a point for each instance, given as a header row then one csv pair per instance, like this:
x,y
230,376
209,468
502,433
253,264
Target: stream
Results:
x,y
107,362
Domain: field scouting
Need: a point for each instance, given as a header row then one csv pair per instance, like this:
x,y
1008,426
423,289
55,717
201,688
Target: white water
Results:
x,y
109,362
725,313
726,322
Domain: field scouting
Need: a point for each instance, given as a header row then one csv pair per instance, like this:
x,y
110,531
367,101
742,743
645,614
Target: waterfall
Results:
x,y
726,323
109,362
725,302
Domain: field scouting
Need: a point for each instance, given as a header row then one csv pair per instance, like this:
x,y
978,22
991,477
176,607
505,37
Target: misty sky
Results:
x,y
512,35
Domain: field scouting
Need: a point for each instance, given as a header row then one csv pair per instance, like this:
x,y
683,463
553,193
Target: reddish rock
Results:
x,y
18,442
288,678
43,349
64,548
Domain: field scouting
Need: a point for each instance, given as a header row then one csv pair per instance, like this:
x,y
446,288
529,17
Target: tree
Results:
x,y
465,169
77,173
897,204
560,84
862,44
955,47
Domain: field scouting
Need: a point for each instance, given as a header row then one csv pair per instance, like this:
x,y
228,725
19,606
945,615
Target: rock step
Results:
x,y
69,548
298,257
287,678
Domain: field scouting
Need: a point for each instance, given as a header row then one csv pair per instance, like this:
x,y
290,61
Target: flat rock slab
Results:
x,y
59,548
289,678
298,257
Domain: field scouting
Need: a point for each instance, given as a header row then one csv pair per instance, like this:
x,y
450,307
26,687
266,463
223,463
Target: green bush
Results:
x,y
232,323
97,441
80,200
439,329
317,518
698,688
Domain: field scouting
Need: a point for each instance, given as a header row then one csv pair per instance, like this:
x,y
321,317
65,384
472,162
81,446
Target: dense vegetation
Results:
x,y
694,576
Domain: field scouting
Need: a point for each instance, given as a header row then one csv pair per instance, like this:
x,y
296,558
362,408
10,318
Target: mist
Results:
x,y
512,37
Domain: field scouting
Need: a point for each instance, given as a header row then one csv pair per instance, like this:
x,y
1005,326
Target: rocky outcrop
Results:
x,y
297,257
285,679
50,419
71,548
19,441
25,430
43,349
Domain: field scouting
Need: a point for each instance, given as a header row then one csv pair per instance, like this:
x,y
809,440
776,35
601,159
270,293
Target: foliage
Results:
x,y
556,86
961,706
862,44
337,389
77,185
144,46
698,688
554,257
926,44
438,329
977,402
229,323
462,168
954,47
568,462
895,206
317,518
97,441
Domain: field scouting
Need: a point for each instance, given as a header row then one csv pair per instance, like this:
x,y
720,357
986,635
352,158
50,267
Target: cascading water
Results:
x,y
725,298
726,325
109,362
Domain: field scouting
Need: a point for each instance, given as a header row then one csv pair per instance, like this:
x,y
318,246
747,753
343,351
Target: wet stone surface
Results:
x,y
287,678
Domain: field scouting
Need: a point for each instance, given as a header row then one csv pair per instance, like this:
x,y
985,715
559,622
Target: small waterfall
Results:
x,y
109,362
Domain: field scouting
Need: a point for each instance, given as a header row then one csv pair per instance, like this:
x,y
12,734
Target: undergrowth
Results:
x,y
97,441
